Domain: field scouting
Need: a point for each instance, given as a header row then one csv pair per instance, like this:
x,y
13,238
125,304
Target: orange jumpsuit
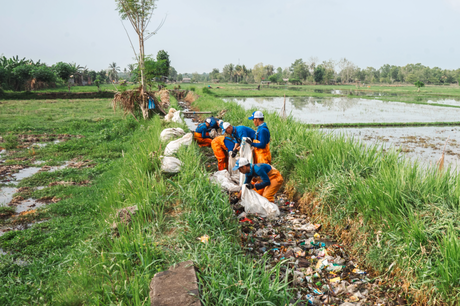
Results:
x,y
276,180
202,142
221,149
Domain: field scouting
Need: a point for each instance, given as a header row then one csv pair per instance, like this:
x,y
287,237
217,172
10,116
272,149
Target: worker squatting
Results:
x,y
261,175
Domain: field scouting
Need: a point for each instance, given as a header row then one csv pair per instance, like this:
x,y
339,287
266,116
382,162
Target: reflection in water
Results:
x,y
321,110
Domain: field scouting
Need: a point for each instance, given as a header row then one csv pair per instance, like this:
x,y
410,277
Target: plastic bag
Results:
x,y
246,152
170,114
167,134
254,203
223,179
234,175
170,164
174,146
176,117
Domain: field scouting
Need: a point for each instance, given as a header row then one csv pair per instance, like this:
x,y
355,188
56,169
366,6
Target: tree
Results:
x,y
22,74
163,63
97,82
258,72
180,77
318,74
139,14
113,71
43,74
172,73
64,71
419,84
299,70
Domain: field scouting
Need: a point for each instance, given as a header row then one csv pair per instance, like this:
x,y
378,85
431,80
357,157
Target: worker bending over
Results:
x,y
261,141
201,135
238,132
268,179
221,145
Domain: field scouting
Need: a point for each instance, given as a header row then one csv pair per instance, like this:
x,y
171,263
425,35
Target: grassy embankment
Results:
x,y
400,220
77,258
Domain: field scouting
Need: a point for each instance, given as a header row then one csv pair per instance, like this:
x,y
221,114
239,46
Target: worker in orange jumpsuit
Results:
x,y
269,180
201,135
261,143
221,146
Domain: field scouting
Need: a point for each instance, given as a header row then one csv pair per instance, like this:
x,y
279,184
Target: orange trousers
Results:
x,y
276,180
220,151
262,156
202,142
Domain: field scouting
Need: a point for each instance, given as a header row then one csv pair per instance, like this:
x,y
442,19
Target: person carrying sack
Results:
x,y
201,134
221,145
261,141
269,180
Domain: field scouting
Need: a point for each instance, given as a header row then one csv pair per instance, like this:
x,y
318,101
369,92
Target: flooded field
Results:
x,y
424,144
352,110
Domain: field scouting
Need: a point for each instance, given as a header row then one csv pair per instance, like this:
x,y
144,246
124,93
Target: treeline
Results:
x,y
313,71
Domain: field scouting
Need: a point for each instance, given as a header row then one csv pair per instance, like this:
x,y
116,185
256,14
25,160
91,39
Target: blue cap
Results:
x,y
240,163
256,115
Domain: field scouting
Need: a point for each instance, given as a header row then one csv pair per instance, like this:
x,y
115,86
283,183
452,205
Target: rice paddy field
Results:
x,y
72,164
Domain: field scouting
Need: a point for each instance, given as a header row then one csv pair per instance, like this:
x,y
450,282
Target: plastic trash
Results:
x,y
174,146
234,175
256,204
223,179
170,164
213,134
170,114
176,117
167,134
204,239
246,152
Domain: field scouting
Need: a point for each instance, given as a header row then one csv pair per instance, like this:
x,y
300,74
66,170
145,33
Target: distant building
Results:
x,y
186,80
285,80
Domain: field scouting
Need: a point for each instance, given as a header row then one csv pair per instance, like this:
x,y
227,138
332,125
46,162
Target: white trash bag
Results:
x,y
167,134
246,152
174,146
176,117
170,114
223,179
254,203
170,164
234,175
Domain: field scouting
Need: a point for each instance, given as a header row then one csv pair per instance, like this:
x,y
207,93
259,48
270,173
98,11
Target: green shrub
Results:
x,y
192,88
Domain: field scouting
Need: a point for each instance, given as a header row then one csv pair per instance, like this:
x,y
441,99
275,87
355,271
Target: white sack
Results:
x,y
167,134
213,133
234,175
170,164
170,114
223,179
174,146
254,203
246,152
176,118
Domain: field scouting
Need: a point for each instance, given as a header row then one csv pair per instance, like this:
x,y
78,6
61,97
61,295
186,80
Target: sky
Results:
x,y
204,34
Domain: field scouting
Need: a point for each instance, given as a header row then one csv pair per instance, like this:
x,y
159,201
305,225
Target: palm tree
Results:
x,y
113,71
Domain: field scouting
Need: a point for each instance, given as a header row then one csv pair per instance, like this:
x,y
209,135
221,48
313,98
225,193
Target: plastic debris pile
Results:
x,y
317,267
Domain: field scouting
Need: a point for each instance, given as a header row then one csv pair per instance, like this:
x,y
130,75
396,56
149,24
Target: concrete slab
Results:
x,y
176,286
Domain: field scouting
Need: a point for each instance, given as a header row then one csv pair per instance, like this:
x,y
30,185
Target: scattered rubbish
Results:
x,y
167,134
213,134
322,272
174,146
254,203
223,179
245,152
204,239
170,164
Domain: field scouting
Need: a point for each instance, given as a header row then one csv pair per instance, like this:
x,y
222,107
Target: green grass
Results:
x,y
416,210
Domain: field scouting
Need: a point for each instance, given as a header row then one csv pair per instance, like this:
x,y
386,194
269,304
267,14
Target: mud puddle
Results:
x,y
314,110
424,144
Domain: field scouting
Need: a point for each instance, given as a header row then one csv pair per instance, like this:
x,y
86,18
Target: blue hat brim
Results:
x,y
236,168
251,118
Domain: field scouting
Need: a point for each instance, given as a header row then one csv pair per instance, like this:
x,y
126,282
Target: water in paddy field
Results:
x,y
314,110
425,144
